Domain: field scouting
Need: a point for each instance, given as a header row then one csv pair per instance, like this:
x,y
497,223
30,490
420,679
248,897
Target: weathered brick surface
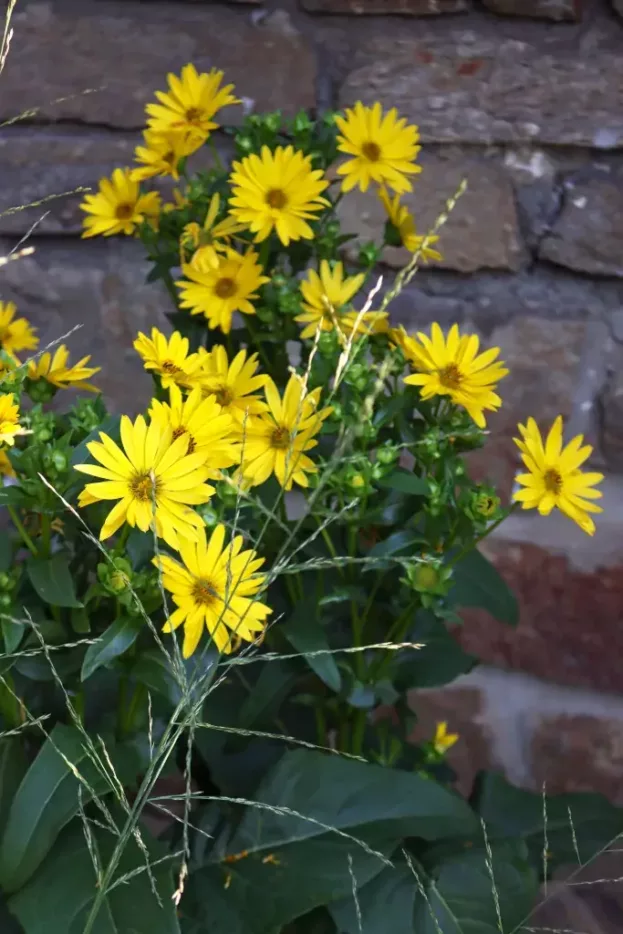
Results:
x,y
540,9
376,7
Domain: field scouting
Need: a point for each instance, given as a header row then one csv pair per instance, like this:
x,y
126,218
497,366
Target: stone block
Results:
x,y
488,87
100,288
481,233
588,234
539,9
101,63
380,7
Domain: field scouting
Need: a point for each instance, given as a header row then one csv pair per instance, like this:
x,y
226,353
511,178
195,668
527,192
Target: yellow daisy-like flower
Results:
x,y
453,367
383,148
15,333
444,740
9,420
277,191
153,478
276,440
162,154
234,385
190,103
55,369
118,207
205,425
324,298
6,467
219,285
214,588
401,218
167,358
554,478
213,233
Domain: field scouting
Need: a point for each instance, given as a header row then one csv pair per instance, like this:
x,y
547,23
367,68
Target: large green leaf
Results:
x,y
13,766
110,426
47,798
111,644
153,669
12,632
6,552
405,482
59,897
52,579
464,892
385,904
477,583
578,825
307,636
440,661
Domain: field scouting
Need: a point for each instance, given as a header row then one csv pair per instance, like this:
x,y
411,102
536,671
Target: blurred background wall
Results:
x,y
524,98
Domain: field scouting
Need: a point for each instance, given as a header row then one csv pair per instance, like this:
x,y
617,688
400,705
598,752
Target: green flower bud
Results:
x,y
209,516
40,390
5,581
245,143
388,454
42,435
6,601
301,122
60,461
272,121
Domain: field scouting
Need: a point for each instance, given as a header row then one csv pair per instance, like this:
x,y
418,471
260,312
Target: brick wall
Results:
x,y
522,97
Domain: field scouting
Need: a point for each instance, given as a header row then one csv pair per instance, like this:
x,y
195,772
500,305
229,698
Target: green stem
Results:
x,y
257,343
321,726
396,633
127,712
215,153
17,522
359,731
46,535
473,545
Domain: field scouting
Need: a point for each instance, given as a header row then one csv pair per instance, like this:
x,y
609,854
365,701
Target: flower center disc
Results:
x,y
167,366
223,395
179,431
142,487
193,115
203,592
225,288
280,439
124,211
276,198
450,377
372,151
552,481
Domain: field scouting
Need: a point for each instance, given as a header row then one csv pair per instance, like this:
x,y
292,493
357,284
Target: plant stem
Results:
x,y
359,731
17,522
473,545
46,535
395,633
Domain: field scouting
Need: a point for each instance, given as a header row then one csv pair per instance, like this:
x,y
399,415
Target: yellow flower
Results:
x,y
277,191
9,420
275,441
162,153
443,740
15,333
213,233
153,478
190,103
383,148
232,384
219,285
207,428
401,218
54,368
6,467
554,478
168,359
215,587
325,296
452,367
118,207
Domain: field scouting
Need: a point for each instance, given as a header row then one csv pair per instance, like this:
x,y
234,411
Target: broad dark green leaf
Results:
x,y
587,822
11,495
140,548
393,545
13,766
45,801
12,633
60,896
405,482
116,640
52,580
267,694
153,669
463,898
6,550
307,636
440,661
477,583
110,426
386,903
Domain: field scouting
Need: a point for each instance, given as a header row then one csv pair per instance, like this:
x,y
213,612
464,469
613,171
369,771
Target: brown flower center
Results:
x,y
193,115
142,487
124,211
276,198
552,480
167,366
225,288
451,377
204,592
179,431
280,439
372,151
223,395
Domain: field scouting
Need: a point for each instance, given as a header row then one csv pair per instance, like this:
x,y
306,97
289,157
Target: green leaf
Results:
x,y
52,580
307,636
13,766
116,640
578,825
395,543
110,426
153,669
439,661
12,633
11,495
59,897
45,801
405,482
463,898
140,548
386,903
268,693
6,551
477,583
